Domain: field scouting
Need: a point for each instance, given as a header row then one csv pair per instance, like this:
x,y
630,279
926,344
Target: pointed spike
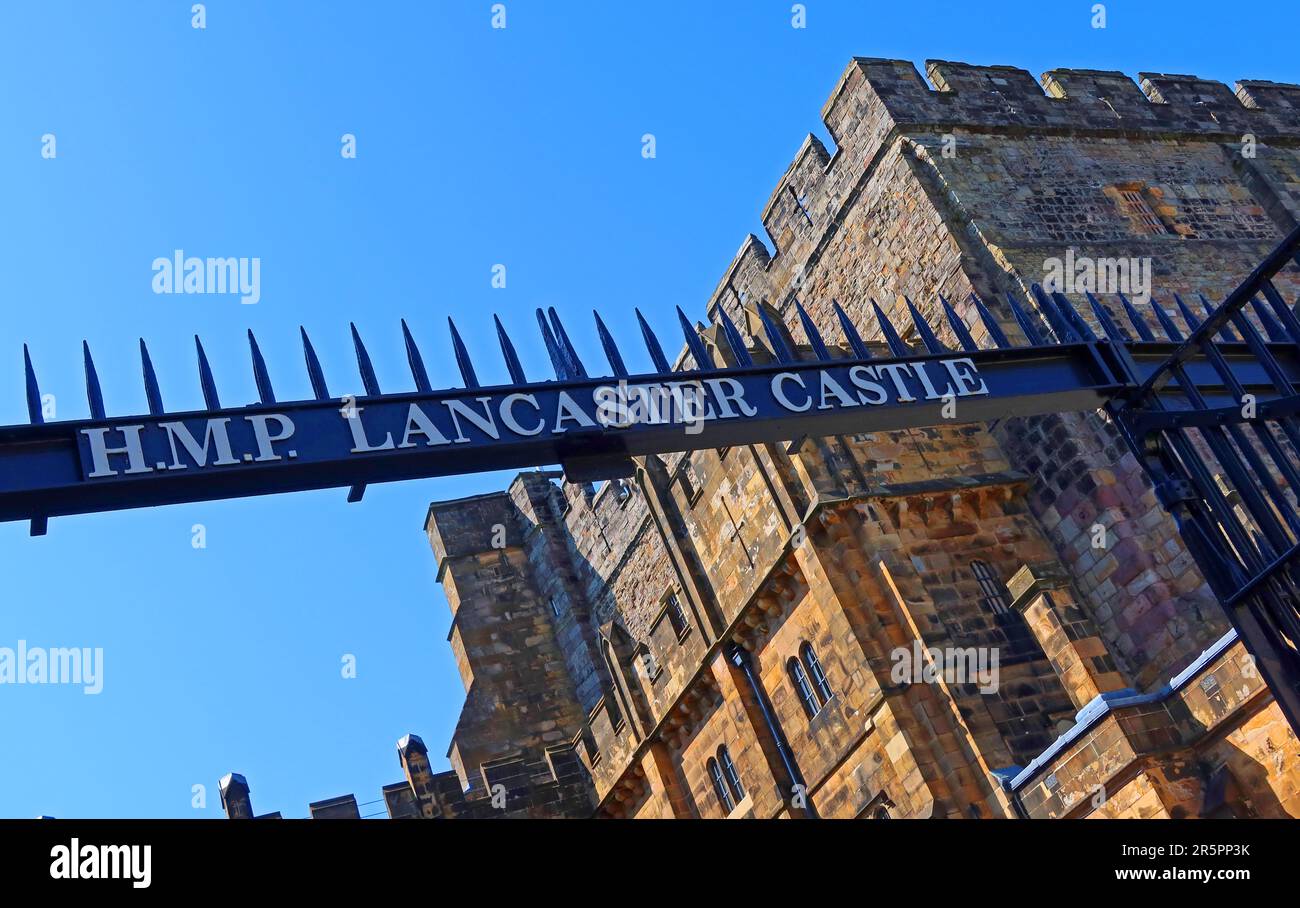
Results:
x,y
260,376
94,395
928,338
1167,323
566,346
611,349
652,344
462,357
314,372
34,413
1189,317
1135,318
896,345
513,365
959,329
209,387
1073,320
693,343
364,366
1026,323
814,336
1271,327
1108,325
152,393
734,339
558,360
1056,319
779,347
856,344
1226,334
415,361
1283,312
995,332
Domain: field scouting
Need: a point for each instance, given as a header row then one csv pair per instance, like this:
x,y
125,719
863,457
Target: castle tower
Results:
x,y
1119,688
520,699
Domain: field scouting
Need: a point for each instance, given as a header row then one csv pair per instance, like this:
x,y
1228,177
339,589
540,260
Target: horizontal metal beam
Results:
x,y
55,469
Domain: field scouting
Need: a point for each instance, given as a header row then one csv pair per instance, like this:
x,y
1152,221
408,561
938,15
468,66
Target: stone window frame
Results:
x,y
690,480
672,594
994,594
1140,204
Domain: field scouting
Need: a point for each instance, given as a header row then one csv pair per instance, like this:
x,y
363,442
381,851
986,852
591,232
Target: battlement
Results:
x,y
1076,99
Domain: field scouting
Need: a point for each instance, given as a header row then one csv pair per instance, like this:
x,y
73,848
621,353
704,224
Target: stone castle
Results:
x,y
737,632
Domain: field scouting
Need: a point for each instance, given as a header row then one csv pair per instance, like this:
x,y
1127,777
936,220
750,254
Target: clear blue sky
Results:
x,y
474,147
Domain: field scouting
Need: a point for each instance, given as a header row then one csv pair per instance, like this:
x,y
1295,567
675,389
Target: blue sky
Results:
x,y
475,147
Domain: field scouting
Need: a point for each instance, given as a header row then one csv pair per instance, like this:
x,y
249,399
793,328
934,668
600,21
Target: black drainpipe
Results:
x,y
741,659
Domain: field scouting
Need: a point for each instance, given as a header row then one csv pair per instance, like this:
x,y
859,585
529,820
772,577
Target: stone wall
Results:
x,y
862,546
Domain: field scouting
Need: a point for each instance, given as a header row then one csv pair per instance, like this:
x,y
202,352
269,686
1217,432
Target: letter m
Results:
x,y
214,434
223,275
114,862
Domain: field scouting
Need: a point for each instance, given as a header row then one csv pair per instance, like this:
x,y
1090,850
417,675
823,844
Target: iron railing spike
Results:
x,y
959,329
94,394
462,356
1056,319
856,343
810,331
1026,322
1135,318
1166,323
1285,316
1271,327
34,410
693,343
415,361
152,393
315,374
1077,324
781,350
1189,317
364,365
1226,334
553,319
734,339
928,338
576,369
991,325
615,358
513,366
260,376
896,345
558,360
206,382
660,361
1109,326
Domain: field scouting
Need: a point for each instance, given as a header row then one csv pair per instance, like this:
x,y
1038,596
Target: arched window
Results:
x,y
994,594
800,680
720,787
815,670
729,771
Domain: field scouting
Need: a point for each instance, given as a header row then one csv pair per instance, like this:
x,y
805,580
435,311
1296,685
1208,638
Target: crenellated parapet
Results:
x,y
878,101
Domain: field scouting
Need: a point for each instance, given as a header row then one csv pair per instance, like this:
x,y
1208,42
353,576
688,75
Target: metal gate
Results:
x,y
1210,409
